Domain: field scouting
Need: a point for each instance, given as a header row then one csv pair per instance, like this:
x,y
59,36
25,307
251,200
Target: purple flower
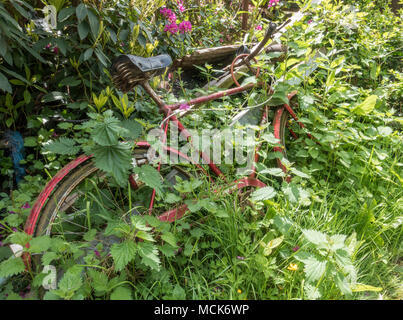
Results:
x,y
240,258
184,106
310,21
1,243
168,14
296,248
185,26
26,206
172,28
258,27
11,212
180,5
48,46
14,229
56,50
98,255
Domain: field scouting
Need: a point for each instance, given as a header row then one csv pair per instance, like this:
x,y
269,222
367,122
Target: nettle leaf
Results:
x,y
48,257
115,160
133,129
139,223
145,236
273,171
69,284
279,96
169,238
315,237
300,173
149,253
292,192
107,132
264,193
172,198
343,284
150,176
62,145
20,238
384,131
39,244
99,280
270,138
11,266
123,253
337,242
121,293
311,291
167,250
314,269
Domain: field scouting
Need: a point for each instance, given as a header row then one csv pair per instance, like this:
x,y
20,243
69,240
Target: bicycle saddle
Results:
x,y
128,70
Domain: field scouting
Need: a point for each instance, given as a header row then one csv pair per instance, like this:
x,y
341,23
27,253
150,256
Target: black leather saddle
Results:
x,y
128,70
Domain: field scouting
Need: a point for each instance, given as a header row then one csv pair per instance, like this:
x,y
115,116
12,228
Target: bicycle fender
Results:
x,y
50,186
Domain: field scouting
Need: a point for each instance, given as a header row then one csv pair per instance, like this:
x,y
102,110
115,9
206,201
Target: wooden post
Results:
x,y
245,7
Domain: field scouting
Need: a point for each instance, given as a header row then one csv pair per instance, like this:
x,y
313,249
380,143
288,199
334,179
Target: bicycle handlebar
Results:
x,y
270,31
256,50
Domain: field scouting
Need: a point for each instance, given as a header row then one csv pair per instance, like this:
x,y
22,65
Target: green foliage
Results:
x,y
329,258
289,241
123,253
11,266
63,146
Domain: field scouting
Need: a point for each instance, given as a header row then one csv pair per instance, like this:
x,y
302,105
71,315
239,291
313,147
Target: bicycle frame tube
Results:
x,y
167,110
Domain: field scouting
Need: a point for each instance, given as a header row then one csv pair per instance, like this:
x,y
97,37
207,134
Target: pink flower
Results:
x,y
184,106
295,249
221,40
258,27
98,255
168,14
240,258
310,21
56,50
172,28
273,3
48,46
185,26
180,5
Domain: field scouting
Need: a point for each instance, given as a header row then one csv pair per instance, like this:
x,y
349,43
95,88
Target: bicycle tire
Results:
x,y
60,197
280,123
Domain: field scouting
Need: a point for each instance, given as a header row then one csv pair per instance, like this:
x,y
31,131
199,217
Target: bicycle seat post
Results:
x,y
150,91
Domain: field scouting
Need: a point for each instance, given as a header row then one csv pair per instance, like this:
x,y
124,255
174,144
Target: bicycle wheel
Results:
x,y
69,211
284,134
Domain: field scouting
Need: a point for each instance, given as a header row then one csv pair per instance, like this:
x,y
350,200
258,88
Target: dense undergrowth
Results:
x,y
334,232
